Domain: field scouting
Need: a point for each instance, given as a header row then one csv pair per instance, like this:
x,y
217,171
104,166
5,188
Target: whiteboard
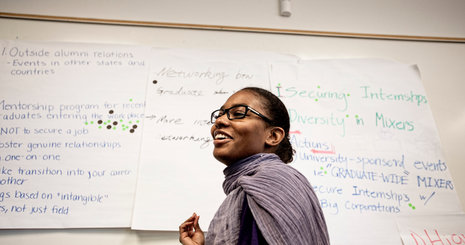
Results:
x,y
441,66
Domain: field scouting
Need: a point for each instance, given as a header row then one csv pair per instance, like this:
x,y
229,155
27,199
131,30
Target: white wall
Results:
x,y
441,64
396,17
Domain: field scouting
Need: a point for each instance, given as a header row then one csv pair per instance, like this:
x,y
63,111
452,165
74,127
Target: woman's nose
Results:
x,y
223,120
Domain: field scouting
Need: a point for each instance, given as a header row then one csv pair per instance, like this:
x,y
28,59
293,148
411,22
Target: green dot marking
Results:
x,y
318,86
86,123
130,100
316,100
348,94
347,115
356,116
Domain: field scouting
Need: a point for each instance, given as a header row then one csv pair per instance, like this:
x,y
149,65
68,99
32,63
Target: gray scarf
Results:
x,y
280,198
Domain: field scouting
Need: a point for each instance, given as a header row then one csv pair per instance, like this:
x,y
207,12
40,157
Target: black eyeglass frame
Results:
x,y
213,118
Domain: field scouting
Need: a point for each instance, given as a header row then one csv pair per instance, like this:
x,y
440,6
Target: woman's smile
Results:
x,y
220,137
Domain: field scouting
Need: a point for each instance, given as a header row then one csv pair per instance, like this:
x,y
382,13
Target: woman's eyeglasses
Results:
x,y
236,112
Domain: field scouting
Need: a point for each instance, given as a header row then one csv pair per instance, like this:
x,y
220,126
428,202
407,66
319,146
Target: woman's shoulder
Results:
x,y
280,172
273,163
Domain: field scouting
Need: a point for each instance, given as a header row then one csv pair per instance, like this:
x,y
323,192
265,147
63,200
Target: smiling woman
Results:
x,y
268,202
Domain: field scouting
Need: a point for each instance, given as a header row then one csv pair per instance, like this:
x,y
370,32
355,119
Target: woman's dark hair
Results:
x,y
279,116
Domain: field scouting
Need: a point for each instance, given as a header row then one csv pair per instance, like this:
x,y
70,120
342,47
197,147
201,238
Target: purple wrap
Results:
x,y
280,198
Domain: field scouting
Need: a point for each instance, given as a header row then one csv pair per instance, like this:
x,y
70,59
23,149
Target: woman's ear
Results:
x,y
275,136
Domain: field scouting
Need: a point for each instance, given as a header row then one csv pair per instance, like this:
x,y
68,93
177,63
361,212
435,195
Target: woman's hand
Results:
x,y
190,232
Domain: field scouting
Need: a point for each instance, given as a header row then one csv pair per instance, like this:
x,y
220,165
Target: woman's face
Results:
x,y
239,138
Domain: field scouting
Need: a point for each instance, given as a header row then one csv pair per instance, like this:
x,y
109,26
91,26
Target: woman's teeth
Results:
x,y
221,136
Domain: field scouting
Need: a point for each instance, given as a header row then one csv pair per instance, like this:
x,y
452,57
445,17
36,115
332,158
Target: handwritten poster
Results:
x,y
432,229
366,140
178,173
71,118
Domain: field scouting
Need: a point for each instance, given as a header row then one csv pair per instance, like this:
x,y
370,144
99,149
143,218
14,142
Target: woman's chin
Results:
x,y
220,158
